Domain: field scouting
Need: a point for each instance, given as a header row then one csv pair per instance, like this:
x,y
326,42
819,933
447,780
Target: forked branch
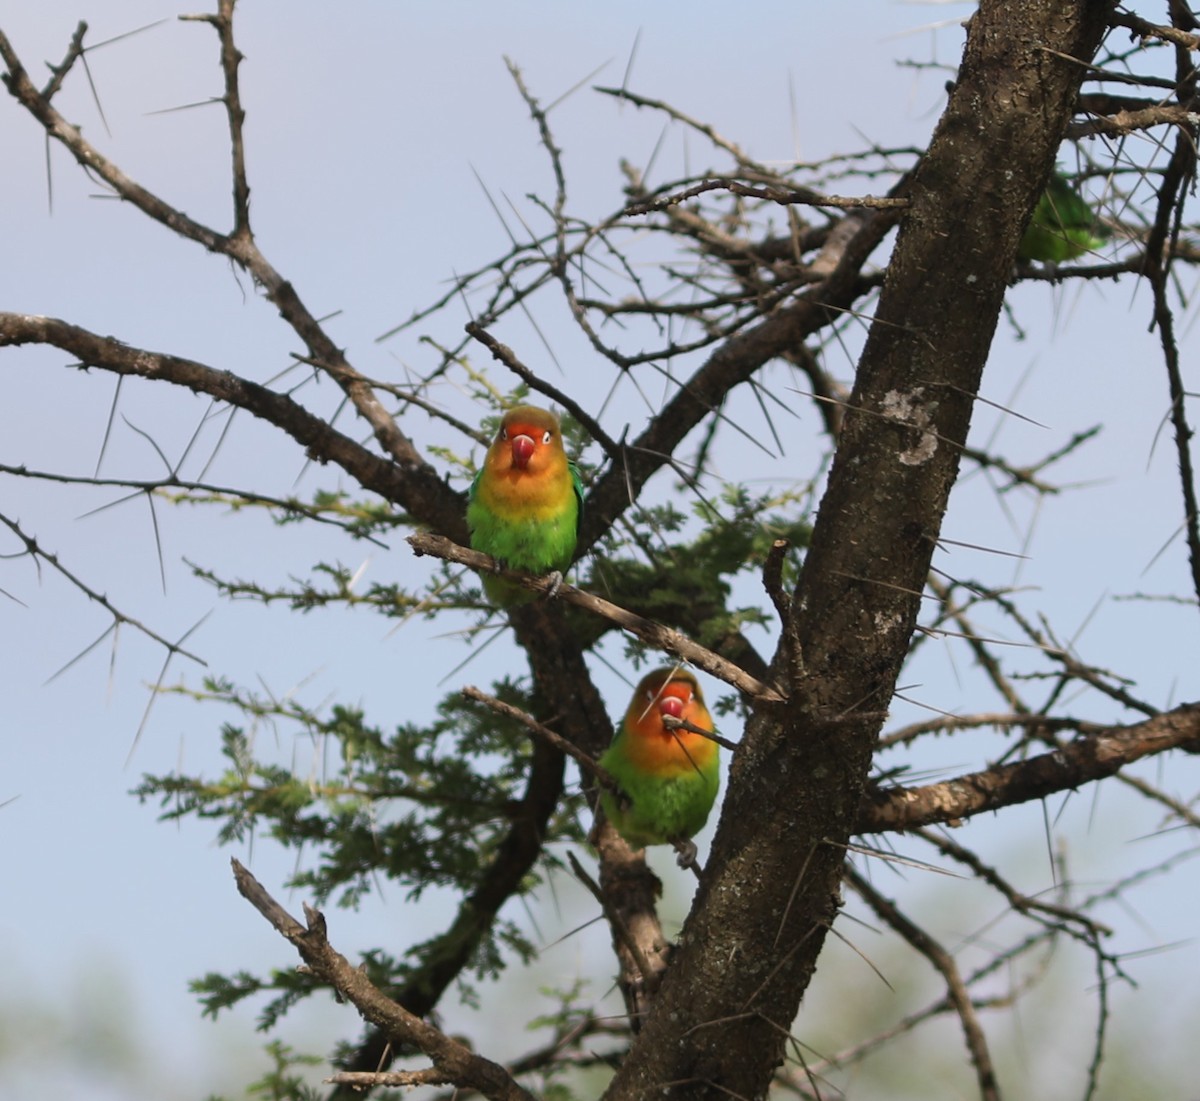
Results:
x,y
458,1064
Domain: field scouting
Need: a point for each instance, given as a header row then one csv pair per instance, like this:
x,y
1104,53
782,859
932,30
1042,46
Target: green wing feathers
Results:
x,y
1063,226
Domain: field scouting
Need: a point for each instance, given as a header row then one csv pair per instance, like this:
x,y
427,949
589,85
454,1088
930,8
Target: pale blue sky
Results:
x,y
363,128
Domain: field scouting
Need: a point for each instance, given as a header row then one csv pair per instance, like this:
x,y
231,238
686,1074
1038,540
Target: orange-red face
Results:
x,y
673,692
529,441
653,748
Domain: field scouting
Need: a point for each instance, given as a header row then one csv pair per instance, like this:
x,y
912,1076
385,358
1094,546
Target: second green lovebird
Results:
x,y
1063,226
525,503
670,776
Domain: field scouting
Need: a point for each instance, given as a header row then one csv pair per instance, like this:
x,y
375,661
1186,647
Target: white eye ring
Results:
x,y
547,436
504,433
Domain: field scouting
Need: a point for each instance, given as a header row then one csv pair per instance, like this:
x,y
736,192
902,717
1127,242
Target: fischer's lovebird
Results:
x,y
668,776
525,503
1063,226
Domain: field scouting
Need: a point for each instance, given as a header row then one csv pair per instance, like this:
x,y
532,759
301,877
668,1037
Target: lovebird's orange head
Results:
x,y
529,442
669,692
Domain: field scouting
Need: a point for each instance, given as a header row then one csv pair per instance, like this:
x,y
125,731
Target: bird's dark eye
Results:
x,y
504,433
546,436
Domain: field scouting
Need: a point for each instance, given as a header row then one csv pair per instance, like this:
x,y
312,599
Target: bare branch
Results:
x,y
239,246
732,363
600,774
653,634
621,932
1089,757
416,486
59,72
194,492
231,57
1180,176
40,554
799,196
364,1080
956,990
1129,122
459,1064
1145,29
505,355
674,113
17,81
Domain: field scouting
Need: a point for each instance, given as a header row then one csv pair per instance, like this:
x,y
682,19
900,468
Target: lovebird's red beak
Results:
x,y
671,705
522,451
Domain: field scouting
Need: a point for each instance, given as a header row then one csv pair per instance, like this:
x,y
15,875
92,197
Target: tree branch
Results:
x,y
730,364
795,784
653,634
956,990
1089,757
415,486
784,196
589,764
504,354
1128,122
239,246
39,554
516,855
450,1058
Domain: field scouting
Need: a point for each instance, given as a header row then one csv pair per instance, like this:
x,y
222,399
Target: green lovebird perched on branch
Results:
x,y
669,774
1063,226
525,503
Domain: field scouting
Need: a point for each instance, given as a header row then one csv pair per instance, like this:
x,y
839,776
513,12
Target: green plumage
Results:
x,y
661,809
668,776
1063,226
525,514
536,543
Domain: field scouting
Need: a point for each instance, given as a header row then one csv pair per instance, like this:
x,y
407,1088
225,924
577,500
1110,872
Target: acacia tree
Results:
x,y
480,802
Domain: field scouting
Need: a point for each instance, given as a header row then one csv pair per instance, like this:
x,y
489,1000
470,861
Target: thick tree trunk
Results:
x,y
772,888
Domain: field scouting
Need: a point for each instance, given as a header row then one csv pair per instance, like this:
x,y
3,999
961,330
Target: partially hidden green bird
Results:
x,y
525,503
668,775
1063,226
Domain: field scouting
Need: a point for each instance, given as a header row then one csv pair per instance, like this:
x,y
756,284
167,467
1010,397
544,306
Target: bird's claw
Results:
x,y
685,853
555,578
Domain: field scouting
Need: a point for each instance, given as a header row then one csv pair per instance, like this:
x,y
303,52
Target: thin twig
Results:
x,y
507,356
784,196
956,990
654,634
620,929
59,72
40,554
601,775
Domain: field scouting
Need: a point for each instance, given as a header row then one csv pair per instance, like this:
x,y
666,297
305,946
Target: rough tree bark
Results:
x,y
771,889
